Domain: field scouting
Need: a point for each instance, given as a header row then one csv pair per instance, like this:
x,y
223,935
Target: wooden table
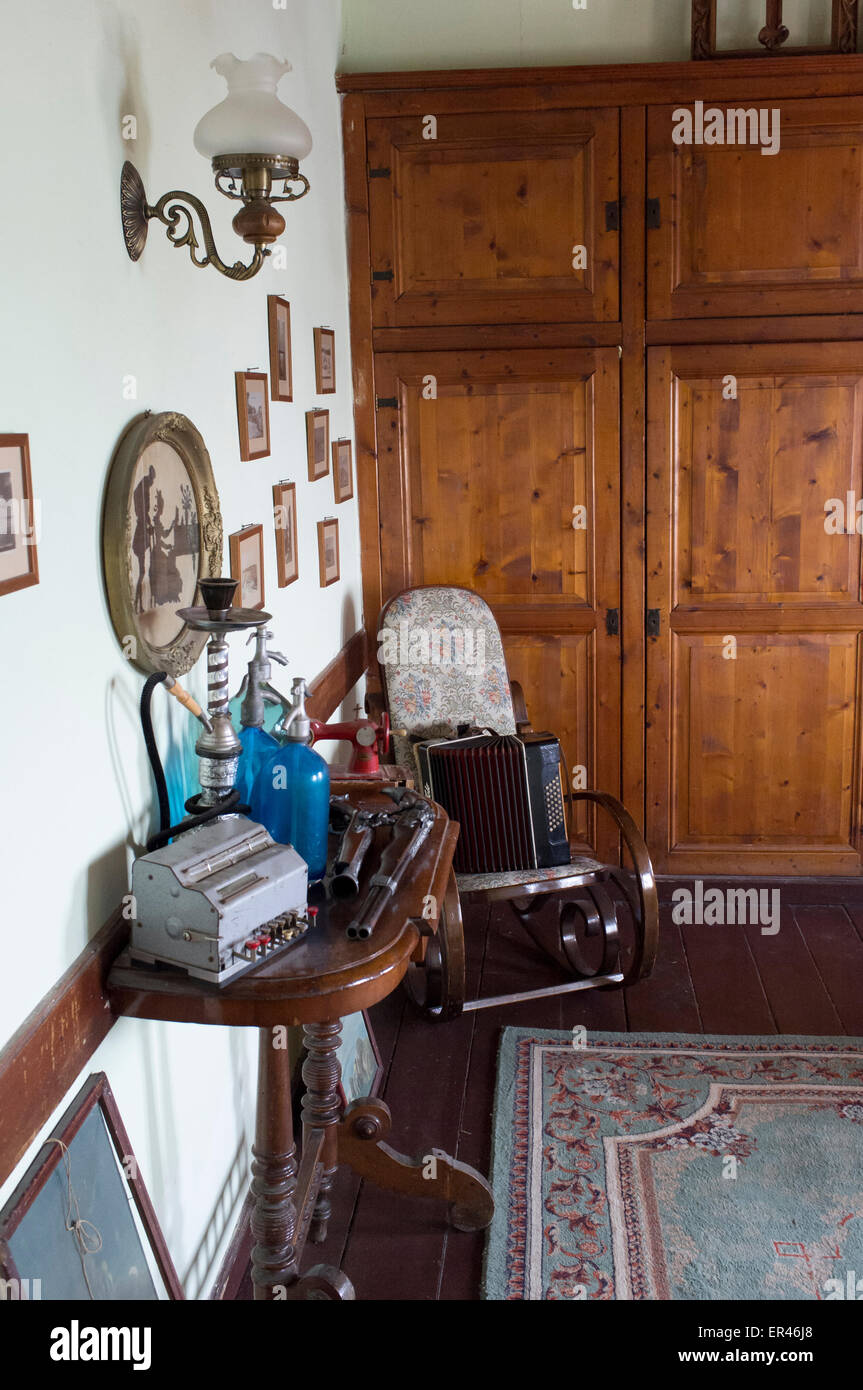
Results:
x,y
316,983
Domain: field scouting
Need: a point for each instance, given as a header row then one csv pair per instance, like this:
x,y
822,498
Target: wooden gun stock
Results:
x,y
353,848
414,814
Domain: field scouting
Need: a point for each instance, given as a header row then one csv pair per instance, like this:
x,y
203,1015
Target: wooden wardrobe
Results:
x,y
611,383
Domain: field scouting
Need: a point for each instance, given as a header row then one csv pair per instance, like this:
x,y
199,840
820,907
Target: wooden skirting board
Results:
x,y
43,1058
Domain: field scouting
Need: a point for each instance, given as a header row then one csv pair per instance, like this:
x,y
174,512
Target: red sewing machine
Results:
x,y
369,743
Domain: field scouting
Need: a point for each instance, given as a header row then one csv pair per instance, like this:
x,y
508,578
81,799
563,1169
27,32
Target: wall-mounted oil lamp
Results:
x,y
255,143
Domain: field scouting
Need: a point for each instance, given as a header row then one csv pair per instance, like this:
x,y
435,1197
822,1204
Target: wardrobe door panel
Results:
x,y
506,481
502,217
754,676
747,233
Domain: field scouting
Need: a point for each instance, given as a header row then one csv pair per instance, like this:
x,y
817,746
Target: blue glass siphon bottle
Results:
x,y
291,793
258,711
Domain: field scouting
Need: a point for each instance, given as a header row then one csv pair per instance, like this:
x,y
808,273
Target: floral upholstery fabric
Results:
x,y
442,661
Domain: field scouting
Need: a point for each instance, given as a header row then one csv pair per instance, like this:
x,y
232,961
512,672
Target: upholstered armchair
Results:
x,y
428,696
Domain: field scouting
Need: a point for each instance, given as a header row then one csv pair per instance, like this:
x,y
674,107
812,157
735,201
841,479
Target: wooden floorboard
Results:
x,y
731,996
837,950
398,1241
798,997
440,1077
666,1001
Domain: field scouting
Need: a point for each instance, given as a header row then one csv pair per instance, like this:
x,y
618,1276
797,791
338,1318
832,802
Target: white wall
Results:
x,y
394,35
78,316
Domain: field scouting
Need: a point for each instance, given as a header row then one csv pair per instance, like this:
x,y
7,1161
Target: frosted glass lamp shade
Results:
x,y
251,119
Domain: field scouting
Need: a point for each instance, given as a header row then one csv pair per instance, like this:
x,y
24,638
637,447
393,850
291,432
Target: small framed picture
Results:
x,y
80,1225
253,415
318,443
359,1058
19,516
343,470
285,520
328,551
247,566
281,377
325,361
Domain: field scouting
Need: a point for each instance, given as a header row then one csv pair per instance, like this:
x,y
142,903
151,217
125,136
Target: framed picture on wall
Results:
x,y
285,520
80,1223
343,470
359,1058
325,361
318,443
253,415
161,534
247,566
281,376
328,551
19,516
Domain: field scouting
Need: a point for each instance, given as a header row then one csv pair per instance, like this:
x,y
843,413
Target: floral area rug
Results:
x,y
668,1166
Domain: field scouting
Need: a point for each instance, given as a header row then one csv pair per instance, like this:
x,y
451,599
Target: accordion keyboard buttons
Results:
x,y
553,805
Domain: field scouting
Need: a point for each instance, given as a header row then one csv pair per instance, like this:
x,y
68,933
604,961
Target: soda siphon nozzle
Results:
x,y
297,726
252,709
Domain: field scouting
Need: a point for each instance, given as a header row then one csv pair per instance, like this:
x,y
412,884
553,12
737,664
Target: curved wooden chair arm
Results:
x,y
519,708
645,906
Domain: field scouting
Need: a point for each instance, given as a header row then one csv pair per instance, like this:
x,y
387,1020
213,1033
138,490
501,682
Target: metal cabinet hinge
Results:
x,y
382,275
386,402
381,173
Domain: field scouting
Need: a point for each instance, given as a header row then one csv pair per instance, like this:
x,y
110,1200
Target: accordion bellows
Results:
x,y
505,791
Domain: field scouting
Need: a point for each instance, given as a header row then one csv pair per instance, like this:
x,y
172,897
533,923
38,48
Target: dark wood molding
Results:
x,y
43,1059
632,440
336,681
634,83
365,415
439,338
804,328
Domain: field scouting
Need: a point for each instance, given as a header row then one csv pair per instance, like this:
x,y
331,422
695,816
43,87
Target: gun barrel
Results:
x,y
361,928
345,876
418,820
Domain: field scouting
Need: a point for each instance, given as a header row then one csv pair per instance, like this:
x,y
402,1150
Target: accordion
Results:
x,y
506,792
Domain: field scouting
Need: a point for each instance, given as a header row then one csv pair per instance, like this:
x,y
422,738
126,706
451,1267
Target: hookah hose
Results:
x,y
152,751
167,831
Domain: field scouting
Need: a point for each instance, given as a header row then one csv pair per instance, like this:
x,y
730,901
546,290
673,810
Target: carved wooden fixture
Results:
x,y
773,35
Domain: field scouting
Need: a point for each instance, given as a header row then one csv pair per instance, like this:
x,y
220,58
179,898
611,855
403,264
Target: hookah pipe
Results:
x,y
368,740
218,747
167,831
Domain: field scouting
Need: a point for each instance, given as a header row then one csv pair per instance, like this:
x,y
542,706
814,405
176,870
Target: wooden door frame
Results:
x,y
633,454
363,366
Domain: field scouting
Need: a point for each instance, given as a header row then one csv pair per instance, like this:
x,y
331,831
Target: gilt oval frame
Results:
x,y
180,654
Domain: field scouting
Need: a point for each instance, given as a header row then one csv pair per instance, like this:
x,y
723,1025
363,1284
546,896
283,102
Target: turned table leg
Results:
x,y
274,1174
322,1110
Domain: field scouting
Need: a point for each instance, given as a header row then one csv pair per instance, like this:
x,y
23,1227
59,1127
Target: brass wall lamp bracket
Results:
x,y
251,118
257,222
